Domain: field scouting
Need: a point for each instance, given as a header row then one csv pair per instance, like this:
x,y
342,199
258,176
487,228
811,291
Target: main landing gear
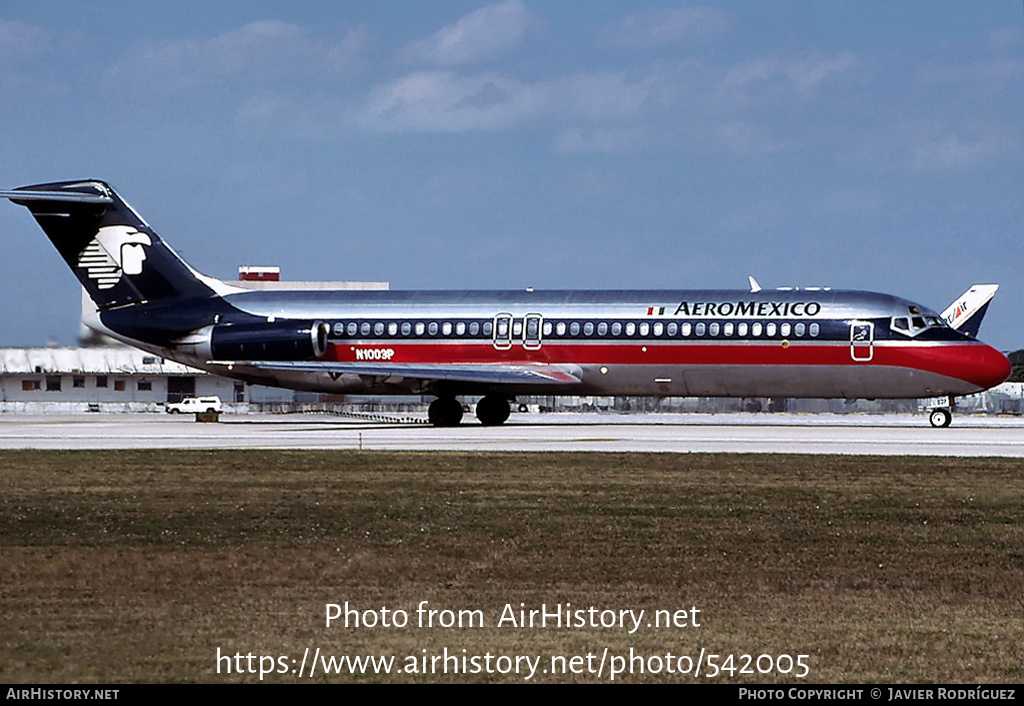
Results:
x,y
942,416
445,412
491,410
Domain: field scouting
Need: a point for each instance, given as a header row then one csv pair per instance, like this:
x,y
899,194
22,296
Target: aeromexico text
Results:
x,y
747,308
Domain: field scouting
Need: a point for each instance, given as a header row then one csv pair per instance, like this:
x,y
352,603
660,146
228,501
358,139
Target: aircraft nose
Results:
x,y
987,367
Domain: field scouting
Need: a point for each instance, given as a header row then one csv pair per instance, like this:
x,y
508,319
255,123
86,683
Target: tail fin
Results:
x,y
967,310
117,257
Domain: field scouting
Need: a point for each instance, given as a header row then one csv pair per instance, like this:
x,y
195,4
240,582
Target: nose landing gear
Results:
x,y
942,416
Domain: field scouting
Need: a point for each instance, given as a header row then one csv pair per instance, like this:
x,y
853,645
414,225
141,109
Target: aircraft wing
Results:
x,y
465,372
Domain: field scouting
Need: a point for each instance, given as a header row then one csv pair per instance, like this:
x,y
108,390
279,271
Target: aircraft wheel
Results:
x,y
940,418
445,412
492,410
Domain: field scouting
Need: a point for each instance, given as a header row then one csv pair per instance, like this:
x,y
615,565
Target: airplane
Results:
x,y
790,342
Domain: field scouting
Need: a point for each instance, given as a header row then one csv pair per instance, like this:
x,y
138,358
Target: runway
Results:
x,y
669,433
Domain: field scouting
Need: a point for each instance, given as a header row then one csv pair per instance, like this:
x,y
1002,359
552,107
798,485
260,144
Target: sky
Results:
x,y
472,145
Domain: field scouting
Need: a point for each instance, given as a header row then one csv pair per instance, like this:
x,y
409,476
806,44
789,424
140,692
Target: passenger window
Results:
x,y
755,329
588,329
474,328
741,330
815,330
645,329
339,329
602,328
699,329
365,328
420,328
432,328
713,329
672,329
393,328
769,330
406,328
460,329
616,328
630,328
686,329
727,329
352,328
547,328
784,330
378,328
560,328
446,328
799,330
488,327
574,328
659,329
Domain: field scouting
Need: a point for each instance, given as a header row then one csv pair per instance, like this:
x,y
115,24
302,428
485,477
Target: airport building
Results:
x,y
111,378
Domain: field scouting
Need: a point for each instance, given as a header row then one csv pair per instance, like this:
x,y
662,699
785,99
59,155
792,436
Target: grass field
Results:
x,y
137,566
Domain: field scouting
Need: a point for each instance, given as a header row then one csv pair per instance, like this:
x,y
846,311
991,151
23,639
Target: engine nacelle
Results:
x,y
279,341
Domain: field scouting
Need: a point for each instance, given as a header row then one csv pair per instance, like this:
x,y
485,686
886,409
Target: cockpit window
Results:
x,y
916,324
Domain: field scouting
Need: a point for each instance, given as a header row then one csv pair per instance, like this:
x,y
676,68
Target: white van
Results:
x,y
190,405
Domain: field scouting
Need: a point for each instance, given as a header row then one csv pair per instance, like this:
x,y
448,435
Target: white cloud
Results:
x,y
445,101
479,35
809,72
951,152
804,74
654,28
19,40
852,106
260,51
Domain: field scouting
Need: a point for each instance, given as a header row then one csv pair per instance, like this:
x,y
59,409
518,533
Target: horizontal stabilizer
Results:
x,y
59,196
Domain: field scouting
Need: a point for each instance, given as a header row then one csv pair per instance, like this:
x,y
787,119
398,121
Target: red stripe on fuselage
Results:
x,y
971,361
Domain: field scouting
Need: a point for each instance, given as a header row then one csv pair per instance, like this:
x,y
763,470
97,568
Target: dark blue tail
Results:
x,y
117,257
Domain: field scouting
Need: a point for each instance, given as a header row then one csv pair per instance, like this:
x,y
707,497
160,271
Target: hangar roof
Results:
x,y
105,360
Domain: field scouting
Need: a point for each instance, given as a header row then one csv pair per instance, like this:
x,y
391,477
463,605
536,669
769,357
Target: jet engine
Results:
x,y
278,341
